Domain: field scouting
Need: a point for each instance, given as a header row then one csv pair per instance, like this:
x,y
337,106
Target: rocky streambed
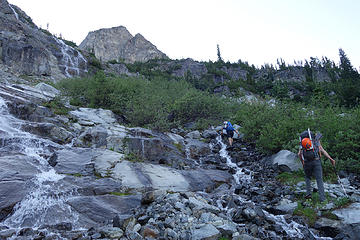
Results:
x,y
84,175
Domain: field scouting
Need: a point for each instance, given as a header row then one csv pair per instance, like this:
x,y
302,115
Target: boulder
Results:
x,y
206,179
47,90
193,135
95,116
211,133
328,226
195,148
286,161
350,214
94,210
285,206
206,232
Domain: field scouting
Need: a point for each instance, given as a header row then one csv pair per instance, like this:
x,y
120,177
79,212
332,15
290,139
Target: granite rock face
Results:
x,y
118,44
29,50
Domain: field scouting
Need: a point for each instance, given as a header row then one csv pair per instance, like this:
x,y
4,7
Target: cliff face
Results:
x,y
28,50
118,44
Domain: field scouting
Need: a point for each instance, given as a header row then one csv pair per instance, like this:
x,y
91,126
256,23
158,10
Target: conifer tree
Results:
x,y
347,70
349,85
219,54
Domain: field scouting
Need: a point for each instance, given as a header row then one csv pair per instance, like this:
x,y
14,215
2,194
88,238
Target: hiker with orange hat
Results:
x,y
310,153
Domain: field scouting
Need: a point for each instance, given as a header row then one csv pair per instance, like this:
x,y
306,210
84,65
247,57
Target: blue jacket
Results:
x,y
229,127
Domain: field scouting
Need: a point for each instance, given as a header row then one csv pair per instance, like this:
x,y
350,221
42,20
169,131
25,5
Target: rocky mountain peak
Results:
x,y
118,44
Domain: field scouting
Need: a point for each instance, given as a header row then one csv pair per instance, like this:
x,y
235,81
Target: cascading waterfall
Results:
x,y
44,204
240,175
15,13
70,63
45,201
143,148
293,229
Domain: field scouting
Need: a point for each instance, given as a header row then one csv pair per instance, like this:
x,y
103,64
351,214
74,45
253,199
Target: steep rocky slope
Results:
x,y
28,50
83,175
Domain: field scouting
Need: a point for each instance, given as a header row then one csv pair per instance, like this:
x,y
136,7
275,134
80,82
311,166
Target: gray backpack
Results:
x,y
309,145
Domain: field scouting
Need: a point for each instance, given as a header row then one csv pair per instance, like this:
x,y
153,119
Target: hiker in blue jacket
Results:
x,y
229,131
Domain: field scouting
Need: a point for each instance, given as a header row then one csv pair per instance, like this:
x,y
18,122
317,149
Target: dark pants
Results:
x,y
230,133
313,168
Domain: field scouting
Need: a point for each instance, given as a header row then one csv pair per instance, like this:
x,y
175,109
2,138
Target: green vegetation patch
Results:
x,y
57,106
291,178
134,157
309,213
274,128
120,193
159,104
342,202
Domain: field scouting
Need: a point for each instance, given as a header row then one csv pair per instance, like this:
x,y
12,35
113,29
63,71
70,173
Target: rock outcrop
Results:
x,y
28,50
118,44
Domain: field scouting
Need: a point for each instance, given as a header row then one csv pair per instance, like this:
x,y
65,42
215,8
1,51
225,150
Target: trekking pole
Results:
x,y
340,181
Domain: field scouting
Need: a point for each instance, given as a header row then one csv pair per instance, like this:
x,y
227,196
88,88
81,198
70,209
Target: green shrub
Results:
x,y
158,104
342,202
57,106
113,61
134,157
69,43
274,128
46,32
94,62
197,105
308,212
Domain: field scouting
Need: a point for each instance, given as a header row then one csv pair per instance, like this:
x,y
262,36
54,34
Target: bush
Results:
x,y
198,105
277,128
158,104
307,212
57,106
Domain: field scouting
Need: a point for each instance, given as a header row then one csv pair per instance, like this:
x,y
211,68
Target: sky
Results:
x,y
256,31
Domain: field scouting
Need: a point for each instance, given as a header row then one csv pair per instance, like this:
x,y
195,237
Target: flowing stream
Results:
x,y
71,59
46,194
293,229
